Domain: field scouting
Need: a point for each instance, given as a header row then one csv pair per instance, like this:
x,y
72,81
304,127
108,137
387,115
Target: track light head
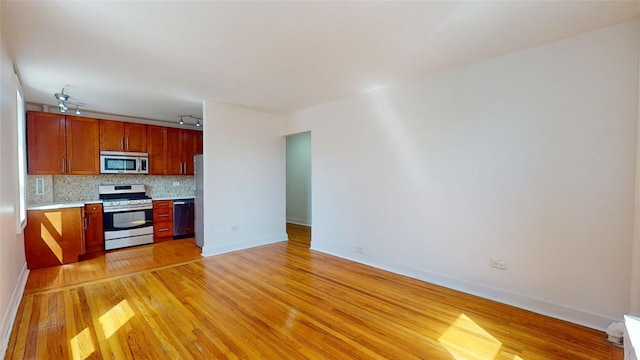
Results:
x,y
61,96
77,111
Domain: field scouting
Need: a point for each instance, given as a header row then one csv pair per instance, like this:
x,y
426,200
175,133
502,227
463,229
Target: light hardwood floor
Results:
x,y
280,301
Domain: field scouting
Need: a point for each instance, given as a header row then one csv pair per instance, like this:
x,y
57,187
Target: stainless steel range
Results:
x,y
127,216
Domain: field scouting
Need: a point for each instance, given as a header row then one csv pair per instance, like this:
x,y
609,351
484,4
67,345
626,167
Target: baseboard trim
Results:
x,y
229,247
12,310
299,221
540,306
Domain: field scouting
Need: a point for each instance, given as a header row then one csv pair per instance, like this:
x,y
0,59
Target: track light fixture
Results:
x,y
197,124
63,102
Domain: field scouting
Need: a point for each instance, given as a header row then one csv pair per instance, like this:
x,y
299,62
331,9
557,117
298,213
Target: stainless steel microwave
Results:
x,y
115,162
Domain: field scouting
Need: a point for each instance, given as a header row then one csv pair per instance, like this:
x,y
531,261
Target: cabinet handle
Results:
x,y
122,142
69,169
165,229
62,165
86,223
127,143
163,215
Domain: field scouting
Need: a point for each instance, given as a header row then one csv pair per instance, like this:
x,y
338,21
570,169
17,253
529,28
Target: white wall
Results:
x,y
299,178
13,266
526,158
244,178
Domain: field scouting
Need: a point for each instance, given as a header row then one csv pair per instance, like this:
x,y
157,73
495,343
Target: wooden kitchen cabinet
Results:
x,y
182,145
162,220
93,231
58,144
54,237
157,148
123,136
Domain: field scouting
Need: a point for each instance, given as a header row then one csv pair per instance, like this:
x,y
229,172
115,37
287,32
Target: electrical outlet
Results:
x,y
359,250
39,186
235,228
498,264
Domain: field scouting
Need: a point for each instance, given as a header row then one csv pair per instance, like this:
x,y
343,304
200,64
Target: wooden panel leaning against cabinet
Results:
x,y
162,220
54,237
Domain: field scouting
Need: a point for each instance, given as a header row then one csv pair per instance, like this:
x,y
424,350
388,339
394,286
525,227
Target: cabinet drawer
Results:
x,y
157,204
162,229
93,208
162,215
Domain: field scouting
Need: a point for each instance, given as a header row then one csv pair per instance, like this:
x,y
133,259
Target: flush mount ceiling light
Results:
x,y
63,102
197,124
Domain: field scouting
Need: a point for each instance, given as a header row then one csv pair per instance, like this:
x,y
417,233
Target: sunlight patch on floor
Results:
x,y
465,339
82,345
116,317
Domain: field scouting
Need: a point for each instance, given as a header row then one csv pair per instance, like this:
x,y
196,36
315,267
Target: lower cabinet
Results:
x,y
93,232
162,220
54,237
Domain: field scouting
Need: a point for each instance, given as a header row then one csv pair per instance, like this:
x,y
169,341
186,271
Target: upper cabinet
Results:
x,y
123,136
182,145
157,148
58,144
71,145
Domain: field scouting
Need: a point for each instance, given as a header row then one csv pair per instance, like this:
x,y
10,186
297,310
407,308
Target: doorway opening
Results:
x,y
298,185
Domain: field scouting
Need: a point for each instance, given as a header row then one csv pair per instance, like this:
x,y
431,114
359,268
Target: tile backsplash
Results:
x,y
68,188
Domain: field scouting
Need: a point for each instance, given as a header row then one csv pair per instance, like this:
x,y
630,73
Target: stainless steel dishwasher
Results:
x,y
183,225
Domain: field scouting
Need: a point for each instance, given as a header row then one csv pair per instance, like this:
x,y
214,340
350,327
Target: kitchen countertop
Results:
x,y
72,204
174,198
55,206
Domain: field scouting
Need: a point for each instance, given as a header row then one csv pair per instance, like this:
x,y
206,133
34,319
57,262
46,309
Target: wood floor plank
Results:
x,y
280,301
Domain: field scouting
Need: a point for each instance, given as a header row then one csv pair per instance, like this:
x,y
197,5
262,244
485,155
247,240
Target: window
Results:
x,y
21,194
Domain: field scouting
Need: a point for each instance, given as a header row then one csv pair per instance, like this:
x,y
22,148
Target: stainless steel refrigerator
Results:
x,y
199,201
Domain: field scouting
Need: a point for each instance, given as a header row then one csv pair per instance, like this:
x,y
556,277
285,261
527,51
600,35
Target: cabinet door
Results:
x,y
83,147
174,152
189,143
45,143
135,137
199,143
111,135
94,235
53,237
157,146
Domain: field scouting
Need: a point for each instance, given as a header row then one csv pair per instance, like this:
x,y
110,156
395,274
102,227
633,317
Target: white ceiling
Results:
x,y
160,59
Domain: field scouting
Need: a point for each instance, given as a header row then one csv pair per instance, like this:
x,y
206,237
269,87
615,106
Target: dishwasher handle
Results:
x,y
179,203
